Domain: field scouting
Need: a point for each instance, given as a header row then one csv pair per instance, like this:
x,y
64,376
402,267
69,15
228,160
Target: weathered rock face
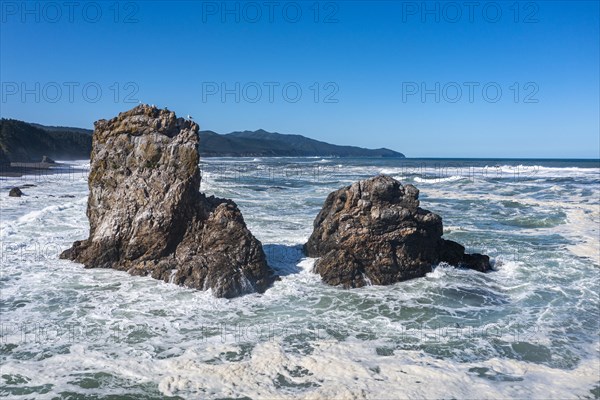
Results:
x,y
148,217
374,232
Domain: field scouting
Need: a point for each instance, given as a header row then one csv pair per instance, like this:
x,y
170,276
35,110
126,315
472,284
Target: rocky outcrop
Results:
x,y
148,217
374,232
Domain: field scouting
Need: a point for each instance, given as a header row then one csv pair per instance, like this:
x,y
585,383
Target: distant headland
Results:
x,y
23,142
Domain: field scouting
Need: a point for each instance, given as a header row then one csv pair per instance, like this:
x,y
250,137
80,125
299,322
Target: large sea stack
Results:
x,y
374,232
148,217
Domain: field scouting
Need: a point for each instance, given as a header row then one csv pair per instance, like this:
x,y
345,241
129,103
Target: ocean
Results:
x,y
529,329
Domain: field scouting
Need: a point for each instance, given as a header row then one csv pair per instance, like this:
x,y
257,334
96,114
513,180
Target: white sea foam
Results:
x,y
332,370
439,180
425,170
187,343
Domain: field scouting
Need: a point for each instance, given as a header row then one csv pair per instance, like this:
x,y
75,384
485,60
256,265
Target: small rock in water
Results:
x,y
374,232
15,192
47,160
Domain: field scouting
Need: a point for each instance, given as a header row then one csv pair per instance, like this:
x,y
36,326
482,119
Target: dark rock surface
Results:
x,y
374,232
148,217
15,192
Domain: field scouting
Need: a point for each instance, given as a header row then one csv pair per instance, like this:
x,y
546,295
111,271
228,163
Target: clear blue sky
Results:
x,y
372,59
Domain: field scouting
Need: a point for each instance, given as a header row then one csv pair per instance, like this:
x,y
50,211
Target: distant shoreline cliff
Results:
x,y
21,142
28,142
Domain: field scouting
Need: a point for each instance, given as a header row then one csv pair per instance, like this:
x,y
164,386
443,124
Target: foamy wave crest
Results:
x,y
453,178
540,171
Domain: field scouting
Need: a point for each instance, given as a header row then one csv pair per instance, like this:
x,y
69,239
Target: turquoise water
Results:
x,y
528,330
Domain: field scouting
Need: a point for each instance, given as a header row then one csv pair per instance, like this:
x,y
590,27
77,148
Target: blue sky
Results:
x,y
435,79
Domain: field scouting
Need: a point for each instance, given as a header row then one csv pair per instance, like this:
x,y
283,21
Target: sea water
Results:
x,y
529,329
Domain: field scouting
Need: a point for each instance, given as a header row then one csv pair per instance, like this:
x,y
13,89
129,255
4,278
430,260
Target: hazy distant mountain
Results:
x,y
28,142
265,144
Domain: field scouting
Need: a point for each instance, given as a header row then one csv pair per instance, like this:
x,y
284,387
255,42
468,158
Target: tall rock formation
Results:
x,y
148,217
375,232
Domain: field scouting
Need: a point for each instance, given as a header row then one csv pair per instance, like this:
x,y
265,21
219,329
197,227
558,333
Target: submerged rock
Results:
x,y
15,192
374,232
148,217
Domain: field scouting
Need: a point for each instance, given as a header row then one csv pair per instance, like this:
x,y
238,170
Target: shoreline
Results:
x,y
20,169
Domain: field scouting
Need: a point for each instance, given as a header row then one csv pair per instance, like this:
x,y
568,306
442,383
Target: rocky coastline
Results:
x,y
148,217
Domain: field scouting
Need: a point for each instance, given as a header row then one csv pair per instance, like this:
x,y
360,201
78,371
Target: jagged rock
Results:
x,y
15,192
148,217
454,254
375,232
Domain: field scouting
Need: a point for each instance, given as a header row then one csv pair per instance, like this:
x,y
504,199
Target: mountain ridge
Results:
x,y
22,141
261,143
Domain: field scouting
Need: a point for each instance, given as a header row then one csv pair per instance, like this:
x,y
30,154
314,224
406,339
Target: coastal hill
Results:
x,y
262,143
24,142
28,142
